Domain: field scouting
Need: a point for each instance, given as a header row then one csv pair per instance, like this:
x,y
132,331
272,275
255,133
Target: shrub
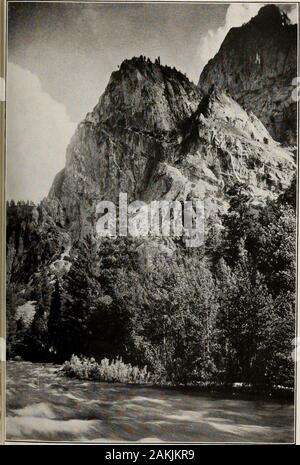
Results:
x,y
114,371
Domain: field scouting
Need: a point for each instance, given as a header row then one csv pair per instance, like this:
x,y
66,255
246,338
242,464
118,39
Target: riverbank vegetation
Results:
x,y
115,371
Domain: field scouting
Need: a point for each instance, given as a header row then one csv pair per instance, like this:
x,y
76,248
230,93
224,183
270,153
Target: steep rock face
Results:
x,y
117,146
256,65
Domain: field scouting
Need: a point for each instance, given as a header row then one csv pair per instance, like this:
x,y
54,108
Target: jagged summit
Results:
x,y
149,68
146,96
255,65
268,22
270,15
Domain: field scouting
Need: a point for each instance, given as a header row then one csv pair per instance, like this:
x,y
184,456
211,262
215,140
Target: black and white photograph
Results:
x,y
151,222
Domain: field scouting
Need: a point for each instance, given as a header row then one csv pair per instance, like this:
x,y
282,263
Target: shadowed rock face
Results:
x,y
255,65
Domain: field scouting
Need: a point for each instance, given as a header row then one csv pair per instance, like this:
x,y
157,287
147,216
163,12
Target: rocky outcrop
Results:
x,y
147,97
256,65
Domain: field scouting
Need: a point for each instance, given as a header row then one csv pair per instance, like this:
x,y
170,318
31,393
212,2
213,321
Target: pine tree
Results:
x,y
80,296
39,345
55,333
11,325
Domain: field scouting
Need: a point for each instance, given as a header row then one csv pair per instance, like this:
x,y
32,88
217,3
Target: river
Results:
x,y
42,405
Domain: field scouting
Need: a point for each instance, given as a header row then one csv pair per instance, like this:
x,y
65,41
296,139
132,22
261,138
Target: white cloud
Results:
x,y
292,12
237,14
38,132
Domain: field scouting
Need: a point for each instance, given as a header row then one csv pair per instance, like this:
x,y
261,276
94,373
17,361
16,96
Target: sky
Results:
x,y
60,58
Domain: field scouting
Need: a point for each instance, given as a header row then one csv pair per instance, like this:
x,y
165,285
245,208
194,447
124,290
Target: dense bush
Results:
x,y
114,371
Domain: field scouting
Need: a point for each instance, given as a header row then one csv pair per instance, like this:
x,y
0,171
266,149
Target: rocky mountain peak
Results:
x,y
153,70
271,15
255,65
269,22
146,96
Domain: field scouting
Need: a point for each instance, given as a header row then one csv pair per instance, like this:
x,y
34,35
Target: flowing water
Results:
x,y
43,405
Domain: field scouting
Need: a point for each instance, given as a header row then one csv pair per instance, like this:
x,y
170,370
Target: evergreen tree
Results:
x,y
55,333
81,293
39,345
11,324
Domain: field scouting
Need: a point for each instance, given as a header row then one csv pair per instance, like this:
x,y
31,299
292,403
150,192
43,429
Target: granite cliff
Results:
x,y
256,65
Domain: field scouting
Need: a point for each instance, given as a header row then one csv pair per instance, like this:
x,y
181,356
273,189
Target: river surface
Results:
x,y
43,405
